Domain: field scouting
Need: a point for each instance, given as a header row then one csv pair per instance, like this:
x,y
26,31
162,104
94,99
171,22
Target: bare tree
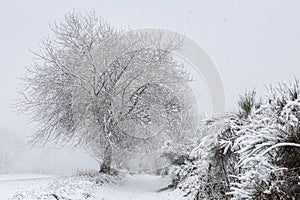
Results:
x,y
96,86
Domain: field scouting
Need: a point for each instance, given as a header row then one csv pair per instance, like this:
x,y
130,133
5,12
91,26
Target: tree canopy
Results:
x,y
97,86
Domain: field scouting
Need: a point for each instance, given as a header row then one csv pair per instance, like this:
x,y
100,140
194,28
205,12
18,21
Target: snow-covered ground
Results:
x,y
139,187
10,184
132,187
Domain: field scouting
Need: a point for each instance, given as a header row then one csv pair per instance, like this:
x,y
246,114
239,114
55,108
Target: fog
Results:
x,y
252,43
17,156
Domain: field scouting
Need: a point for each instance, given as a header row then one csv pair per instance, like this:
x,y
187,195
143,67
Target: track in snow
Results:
x,y
139,187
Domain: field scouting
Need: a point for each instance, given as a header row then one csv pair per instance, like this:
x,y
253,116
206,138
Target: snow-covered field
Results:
x,y
132,187
10,184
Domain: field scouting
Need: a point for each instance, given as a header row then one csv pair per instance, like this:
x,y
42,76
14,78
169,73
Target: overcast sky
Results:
x,y
252,43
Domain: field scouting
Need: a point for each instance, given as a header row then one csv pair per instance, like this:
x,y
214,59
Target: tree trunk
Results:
x,y
106,119
105,166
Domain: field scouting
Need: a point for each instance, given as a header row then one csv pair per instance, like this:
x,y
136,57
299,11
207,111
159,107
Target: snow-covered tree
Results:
x,y
100,87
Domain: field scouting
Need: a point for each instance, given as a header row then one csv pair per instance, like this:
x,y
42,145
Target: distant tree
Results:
x,y
99,87
9,147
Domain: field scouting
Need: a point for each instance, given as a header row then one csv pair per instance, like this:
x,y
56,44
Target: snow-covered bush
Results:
x,y
270,148
205,173
177,155
251,154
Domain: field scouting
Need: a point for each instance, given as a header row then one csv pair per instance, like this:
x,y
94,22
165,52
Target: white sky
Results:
x,y
252,43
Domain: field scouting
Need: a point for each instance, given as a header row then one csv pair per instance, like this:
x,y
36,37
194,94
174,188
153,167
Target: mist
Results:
x,y
252,44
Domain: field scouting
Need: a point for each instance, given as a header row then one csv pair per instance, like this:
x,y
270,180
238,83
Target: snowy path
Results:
x,y
138,187
10,184
133,187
